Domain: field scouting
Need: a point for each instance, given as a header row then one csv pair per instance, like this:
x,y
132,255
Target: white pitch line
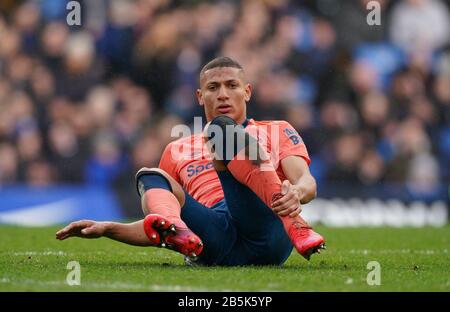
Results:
x,y
64,253
115,285
38,253
398,251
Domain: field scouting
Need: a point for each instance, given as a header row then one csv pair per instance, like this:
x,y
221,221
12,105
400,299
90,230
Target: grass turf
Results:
x,y
31,259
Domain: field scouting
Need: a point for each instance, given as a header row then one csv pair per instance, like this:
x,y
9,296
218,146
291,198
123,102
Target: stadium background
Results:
x,y
83,107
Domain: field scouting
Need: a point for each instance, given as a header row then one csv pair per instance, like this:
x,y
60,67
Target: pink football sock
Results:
x,y
164,203
264,182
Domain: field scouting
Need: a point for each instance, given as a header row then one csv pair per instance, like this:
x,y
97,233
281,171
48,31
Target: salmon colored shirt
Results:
x,y
188,161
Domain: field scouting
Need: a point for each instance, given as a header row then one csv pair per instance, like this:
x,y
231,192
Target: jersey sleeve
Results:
x,y
291,143
168,164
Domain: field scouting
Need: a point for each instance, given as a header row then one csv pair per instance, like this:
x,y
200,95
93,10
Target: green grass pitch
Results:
x,y
31,259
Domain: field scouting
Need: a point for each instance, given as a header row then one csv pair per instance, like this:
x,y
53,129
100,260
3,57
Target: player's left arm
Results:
x,y
299,188
297,172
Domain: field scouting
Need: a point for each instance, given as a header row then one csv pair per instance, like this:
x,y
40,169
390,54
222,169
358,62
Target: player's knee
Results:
x,y
149,178
220,135
223,121
226,139
220,127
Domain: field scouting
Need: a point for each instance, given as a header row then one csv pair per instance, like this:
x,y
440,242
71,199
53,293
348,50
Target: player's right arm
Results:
x,y
129,233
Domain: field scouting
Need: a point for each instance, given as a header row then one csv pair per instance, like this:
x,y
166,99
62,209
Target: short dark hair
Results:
x,y
221,61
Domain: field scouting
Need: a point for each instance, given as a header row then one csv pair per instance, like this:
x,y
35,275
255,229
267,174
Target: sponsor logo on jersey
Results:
x,y
197,169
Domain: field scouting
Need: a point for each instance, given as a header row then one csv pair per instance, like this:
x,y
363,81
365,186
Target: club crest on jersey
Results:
x,y
293,135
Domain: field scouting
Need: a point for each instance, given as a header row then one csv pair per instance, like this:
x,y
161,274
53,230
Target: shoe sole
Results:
x,y
313,250
166,237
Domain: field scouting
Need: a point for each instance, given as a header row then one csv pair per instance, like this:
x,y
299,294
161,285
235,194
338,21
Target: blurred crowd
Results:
x,y
93,103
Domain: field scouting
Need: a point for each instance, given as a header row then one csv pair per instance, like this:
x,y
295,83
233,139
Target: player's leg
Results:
x,y
215,228
235,236
163,196
161,200
259,228
258,175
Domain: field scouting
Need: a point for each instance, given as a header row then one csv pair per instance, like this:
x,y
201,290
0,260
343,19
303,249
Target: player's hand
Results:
x,y
83,228
289,204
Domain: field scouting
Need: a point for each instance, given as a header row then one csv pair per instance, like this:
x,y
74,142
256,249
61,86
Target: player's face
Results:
x,y
224,92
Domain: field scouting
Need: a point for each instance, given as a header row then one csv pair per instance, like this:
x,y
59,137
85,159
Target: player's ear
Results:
x,y
199,97
248,92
